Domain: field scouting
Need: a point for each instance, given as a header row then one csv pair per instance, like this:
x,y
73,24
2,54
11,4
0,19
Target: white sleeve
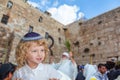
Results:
x,y
15,75
56,65
53,73
75,71
64,77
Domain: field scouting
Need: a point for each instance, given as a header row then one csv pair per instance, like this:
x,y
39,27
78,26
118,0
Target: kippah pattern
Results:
x,y
31,36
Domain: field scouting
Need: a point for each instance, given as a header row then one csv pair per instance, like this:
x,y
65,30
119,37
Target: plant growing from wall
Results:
x,y
67,44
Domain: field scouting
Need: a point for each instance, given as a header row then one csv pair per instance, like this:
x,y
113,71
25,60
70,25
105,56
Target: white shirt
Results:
x,y
42,72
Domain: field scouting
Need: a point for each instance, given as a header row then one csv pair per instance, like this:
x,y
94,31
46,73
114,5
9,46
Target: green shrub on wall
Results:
x,y
67,44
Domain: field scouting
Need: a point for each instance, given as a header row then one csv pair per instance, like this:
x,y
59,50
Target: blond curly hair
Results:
x,y
22,48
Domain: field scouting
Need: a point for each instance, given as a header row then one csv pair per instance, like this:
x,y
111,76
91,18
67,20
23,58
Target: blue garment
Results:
x,y
100,76
80,76
113,74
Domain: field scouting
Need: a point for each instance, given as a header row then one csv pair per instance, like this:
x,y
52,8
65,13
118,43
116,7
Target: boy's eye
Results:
x,y
42,50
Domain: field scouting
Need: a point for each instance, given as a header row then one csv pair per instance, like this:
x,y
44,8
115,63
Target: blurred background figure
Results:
x,y
113,70
101,74
80,73
67,65
89,71
117,67
6,71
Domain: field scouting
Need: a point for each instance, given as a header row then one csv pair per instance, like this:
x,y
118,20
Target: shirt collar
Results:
x,y
39,67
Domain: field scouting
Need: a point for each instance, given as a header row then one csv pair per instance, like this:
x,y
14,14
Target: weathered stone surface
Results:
x,y
97,37
21,16
100,35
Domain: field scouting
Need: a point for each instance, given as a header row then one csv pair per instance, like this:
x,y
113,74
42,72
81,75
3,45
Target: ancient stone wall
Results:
x,y
92,41
98,39
22,15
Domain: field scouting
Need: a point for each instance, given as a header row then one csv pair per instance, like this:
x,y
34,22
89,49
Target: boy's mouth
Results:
x,y
39,59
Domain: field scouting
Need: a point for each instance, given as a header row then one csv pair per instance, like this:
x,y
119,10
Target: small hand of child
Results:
x,y
53,79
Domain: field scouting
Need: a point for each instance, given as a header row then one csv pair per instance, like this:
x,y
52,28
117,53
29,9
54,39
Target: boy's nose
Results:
x,y
39,53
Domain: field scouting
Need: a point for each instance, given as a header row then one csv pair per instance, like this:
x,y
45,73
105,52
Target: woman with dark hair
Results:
x,y
6,71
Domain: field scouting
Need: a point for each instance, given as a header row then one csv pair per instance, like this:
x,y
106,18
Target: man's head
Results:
x,y
110,65
6,71
65,55
102,68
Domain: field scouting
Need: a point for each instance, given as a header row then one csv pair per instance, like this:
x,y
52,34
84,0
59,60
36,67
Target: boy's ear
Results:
x,y
10,75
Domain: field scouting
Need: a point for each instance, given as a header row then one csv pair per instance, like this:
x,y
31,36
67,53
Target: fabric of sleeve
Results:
x,y
53,73
75,71
64,77
55,65
15,75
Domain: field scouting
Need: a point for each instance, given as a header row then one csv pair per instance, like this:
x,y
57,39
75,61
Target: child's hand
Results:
x,y
53,79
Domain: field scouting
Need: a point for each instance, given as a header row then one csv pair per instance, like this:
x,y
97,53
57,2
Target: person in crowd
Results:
x,y
89,71
111,70
117,67
80,73
6,71
78,68
30,55
101,74
67,65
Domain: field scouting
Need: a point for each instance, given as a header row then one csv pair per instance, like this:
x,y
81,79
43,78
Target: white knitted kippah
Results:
x,y
66,54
